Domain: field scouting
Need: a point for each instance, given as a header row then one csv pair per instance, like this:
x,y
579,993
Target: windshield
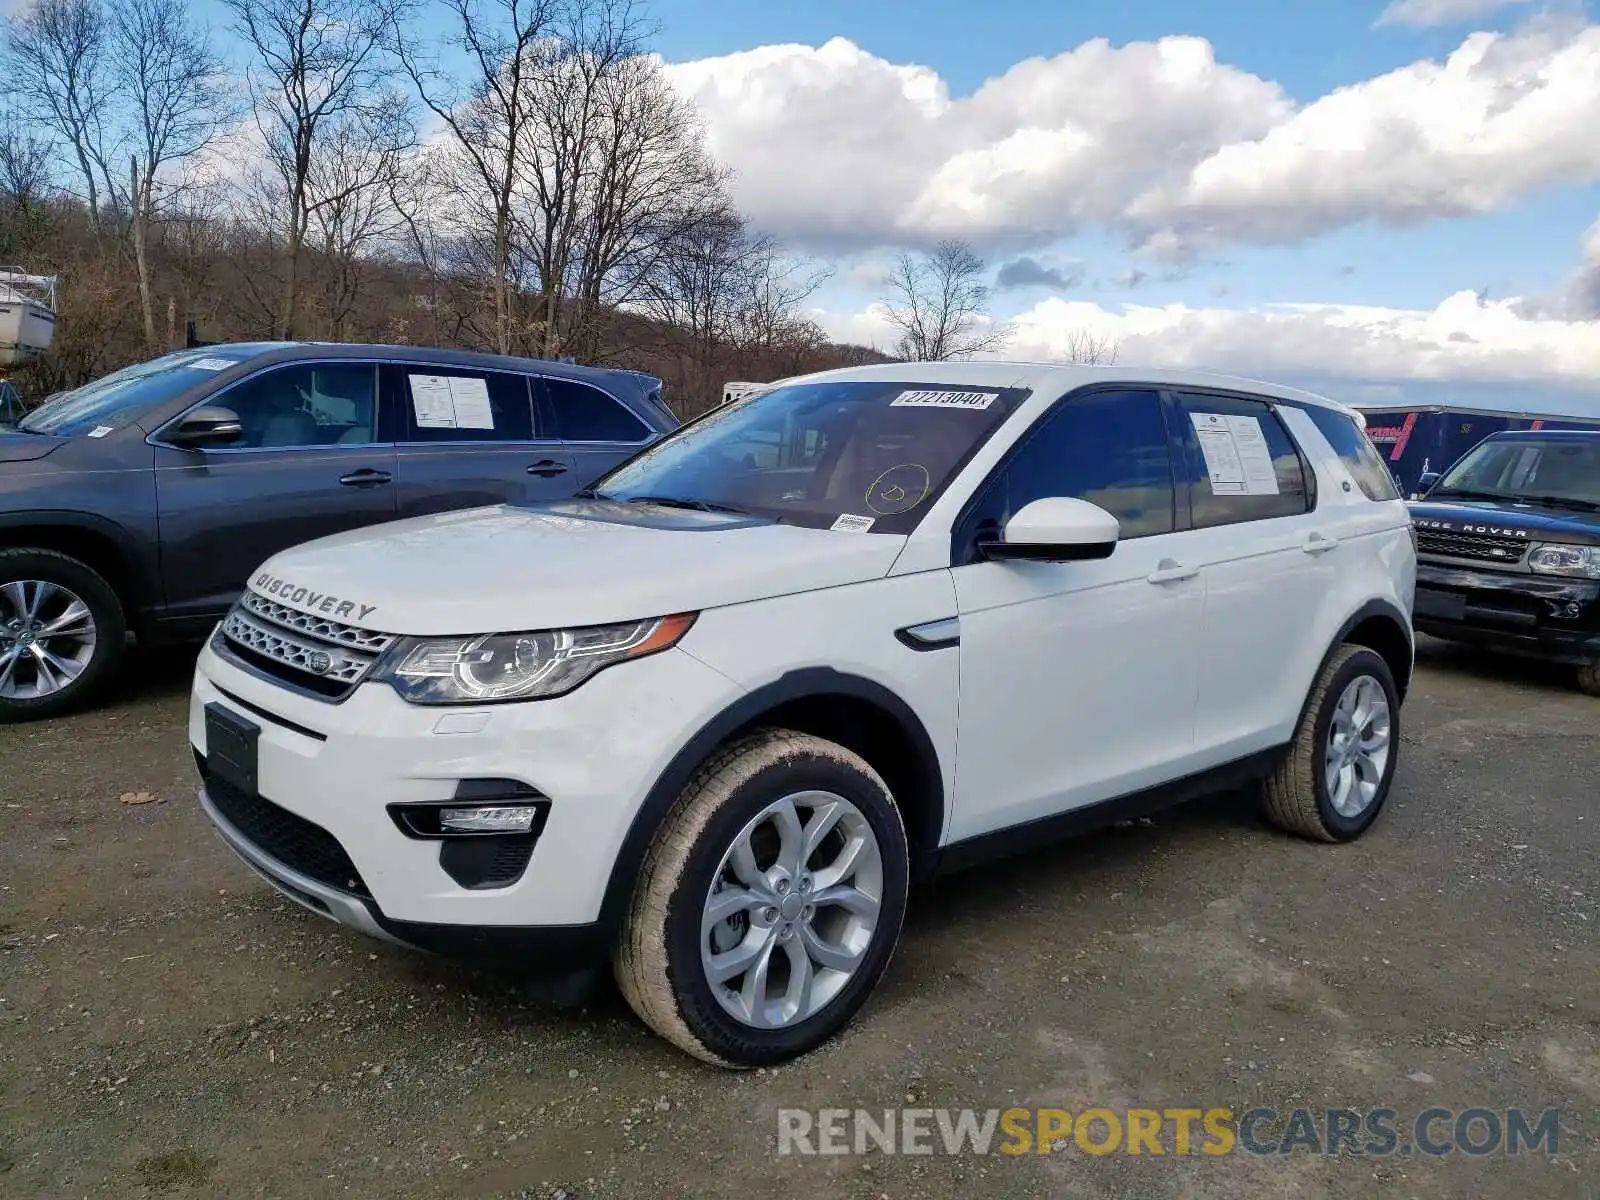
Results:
x,y
1530,470
859,456
115,400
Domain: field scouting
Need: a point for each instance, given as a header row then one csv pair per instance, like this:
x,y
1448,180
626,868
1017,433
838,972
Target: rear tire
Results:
x,y
1335,779
1589,679
62,634
702,905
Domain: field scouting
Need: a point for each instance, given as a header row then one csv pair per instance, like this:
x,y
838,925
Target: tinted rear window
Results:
x,y
1356,451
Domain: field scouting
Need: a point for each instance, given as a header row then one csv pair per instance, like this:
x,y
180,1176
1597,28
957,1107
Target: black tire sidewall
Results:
x,y
110,628
1363,662
699,1008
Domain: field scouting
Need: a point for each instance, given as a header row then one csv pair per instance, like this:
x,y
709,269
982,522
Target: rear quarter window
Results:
x,y
1356,451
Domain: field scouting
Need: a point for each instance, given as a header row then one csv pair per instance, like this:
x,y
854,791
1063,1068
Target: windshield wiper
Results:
x,y
1466,494
685,502
1561,502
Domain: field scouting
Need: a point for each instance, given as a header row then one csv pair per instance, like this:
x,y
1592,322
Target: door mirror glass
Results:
x,y
210,426
1057,529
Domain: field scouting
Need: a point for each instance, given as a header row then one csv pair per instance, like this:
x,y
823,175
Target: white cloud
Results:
x,y
1421,14
1502,117
834,147
1463,340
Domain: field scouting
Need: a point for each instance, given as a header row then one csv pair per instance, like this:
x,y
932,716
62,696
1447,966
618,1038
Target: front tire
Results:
x,y
62,631
1335,779
769,903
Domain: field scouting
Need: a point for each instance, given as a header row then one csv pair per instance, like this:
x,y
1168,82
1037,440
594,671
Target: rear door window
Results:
x,y
453,404
1241,464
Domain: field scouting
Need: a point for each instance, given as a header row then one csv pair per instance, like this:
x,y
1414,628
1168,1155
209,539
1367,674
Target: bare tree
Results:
x,y
1088,348
24,184
939,304
350,189
580,116
643,176
488,113
59,72
175,91
318,63
774,286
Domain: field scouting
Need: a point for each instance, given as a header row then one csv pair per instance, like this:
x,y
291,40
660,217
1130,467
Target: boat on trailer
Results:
x,y
27,315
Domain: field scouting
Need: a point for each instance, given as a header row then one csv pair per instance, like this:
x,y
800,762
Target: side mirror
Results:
x,y
207,427
1426,481
1056,529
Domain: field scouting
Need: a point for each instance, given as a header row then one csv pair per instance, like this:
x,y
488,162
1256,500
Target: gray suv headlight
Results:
x,y
496,667
1555,559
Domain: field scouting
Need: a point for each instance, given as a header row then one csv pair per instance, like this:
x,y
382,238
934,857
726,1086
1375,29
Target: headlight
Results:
x,y
521,666
1582,561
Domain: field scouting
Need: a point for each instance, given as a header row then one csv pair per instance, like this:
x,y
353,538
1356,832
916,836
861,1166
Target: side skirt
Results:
x,y
1018,839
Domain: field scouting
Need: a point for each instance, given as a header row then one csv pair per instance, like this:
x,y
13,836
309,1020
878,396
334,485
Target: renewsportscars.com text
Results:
x,y
1378,1132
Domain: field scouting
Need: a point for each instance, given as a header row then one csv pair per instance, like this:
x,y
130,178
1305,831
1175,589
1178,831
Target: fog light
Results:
x,y
495,818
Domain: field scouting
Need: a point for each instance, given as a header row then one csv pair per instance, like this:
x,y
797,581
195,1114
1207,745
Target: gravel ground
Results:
x,y
169,1025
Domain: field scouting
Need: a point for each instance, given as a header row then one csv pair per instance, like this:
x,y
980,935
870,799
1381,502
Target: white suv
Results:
x,y
708,721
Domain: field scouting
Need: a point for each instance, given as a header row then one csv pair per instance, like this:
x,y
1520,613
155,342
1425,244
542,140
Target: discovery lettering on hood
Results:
x,y
311,601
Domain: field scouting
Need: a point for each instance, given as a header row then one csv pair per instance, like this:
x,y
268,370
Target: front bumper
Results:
x,y
538,952
1539,616
334,770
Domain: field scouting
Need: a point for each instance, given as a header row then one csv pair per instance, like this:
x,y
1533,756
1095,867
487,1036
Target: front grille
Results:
x,y
1483,547
292,840
326,658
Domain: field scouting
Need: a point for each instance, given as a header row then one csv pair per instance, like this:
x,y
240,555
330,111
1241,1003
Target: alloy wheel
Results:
x,y
793,909
1357,753
47,639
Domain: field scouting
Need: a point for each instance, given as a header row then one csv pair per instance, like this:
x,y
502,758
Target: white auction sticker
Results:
x,y
1238,459
976,401
450,402
99,431
850,523
210,364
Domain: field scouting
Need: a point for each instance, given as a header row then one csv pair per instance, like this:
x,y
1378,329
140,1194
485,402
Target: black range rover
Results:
x,y
1508,549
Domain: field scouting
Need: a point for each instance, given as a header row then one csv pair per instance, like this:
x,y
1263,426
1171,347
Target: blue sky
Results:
x,y
1215,163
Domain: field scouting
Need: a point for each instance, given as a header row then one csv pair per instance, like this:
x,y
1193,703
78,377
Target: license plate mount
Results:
x,y
231,748
1447,606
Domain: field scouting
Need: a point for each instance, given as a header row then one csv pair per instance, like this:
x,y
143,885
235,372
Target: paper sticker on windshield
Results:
x,y
850,523
100,431
976,401
1238,459
210,364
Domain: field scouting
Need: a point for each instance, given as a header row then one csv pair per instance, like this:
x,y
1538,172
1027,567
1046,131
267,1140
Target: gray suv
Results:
x,y
142,501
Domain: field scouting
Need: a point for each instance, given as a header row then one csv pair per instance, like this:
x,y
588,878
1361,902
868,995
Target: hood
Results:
x,y
507,569
1507,519
25,447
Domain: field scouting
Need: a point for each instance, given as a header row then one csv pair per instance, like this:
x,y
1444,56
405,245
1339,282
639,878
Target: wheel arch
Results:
x,y
1384,628
857,713
103,546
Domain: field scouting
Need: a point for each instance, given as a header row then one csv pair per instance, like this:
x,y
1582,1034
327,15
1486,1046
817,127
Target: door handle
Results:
x,y
366,477
1171,571
1315,543
548,468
